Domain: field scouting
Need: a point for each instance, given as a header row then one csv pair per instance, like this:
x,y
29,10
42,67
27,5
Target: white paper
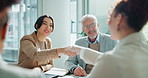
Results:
x,y
57,71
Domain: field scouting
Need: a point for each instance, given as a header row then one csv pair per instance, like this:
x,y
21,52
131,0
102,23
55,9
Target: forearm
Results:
x,y
48,54
89,56
35,53
60,51
69,64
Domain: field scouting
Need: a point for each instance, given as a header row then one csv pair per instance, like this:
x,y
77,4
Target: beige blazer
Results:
x,y
30,54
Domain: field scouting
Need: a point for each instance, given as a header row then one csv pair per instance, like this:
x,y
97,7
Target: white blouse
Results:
x,y
129,59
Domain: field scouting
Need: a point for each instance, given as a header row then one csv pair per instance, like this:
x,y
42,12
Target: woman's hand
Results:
x,y
66,51
74,48
37,69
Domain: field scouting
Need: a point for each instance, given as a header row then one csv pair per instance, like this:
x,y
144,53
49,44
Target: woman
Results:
x,y
129,59
35,49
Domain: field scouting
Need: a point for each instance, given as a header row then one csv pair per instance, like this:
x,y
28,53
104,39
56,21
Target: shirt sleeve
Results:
x,y
33,52
89,56
71,63
105,67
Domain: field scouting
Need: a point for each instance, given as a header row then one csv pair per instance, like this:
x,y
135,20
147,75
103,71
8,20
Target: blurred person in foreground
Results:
x,y
8,71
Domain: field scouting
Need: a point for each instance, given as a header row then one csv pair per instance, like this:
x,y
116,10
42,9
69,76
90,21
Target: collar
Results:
x,y
135,37
96,41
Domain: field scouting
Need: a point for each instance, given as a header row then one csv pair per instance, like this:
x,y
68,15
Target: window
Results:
x,y
21,20
73,14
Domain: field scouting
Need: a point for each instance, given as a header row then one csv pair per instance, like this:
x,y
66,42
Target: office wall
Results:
x,y
60,11
100,9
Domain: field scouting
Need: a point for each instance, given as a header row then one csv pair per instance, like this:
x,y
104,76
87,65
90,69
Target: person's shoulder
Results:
x,y
28,37
81,38
104,35
8,71
110,55
107,37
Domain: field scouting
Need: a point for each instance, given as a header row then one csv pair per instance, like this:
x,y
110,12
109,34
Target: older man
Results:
x,y
8,71
94,40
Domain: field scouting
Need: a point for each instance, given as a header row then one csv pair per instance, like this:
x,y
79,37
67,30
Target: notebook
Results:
x,y
56,71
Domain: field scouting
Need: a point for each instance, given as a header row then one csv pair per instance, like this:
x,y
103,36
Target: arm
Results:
x,y
28,47
31,50
71,63
106,67
9,71
89,56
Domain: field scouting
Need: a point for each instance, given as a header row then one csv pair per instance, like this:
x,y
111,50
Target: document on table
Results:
x,y
57,71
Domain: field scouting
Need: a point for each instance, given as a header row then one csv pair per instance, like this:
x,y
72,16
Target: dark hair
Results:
x,y
135,11
3,21
7,3
40,21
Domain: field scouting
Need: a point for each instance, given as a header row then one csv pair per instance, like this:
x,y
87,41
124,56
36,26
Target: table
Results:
x,y
59,73
66,76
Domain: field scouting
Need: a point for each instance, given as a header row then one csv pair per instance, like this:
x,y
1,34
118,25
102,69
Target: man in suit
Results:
x,y
94,40
8,71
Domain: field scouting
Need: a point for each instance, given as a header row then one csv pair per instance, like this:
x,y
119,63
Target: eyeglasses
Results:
x,y
93,25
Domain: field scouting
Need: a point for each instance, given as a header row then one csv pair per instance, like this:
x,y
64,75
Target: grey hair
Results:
x,y
89,16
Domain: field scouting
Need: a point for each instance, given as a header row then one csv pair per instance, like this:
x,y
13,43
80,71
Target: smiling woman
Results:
x,y
44,26
35,49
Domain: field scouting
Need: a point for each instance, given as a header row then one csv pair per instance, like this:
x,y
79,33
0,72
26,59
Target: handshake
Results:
x,y
70,50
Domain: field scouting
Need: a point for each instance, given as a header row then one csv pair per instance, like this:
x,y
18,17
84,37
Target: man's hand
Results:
x,y
69,51
74,48
79,71
37,69
66,51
